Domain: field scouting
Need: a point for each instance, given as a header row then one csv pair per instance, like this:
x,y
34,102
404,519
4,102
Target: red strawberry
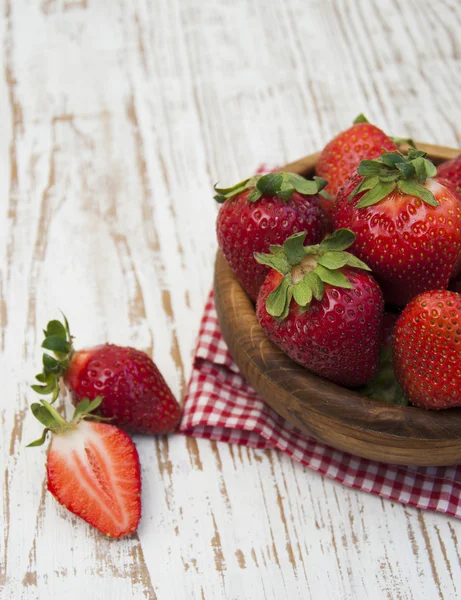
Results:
x,y
450,171
408,225
427,348
262,211
320,309
341,157
93,469
135,395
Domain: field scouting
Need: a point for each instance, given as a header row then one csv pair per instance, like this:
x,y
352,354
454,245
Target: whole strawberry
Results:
x,y
408,225
427,350
450,171
135,395
262,211
92,468
341,157
322,309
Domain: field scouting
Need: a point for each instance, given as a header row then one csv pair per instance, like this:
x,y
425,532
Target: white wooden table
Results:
x,y
117,118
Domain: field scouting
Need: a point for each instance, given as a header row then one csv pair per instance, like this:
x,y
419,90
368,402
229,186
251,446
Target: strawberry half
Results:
x,y
265,210
408,225
92,468
342,155
320,307
427,350
135,395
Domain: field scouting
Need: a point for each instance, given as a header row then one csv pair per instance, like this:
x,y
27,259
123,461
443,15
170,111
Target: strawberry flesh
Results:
x,y
134,391
93,471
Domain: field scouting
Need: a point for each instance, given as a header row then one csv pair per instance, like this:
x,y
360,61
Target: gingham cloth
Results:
x,y
220,405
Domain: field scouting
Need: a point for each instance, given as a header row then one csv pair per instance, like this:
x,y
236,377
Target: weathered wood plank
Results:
x,y
118,117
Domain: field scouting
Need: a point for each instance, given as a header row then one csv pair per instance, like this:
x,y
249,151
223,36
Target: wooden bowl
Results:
x,y
334,415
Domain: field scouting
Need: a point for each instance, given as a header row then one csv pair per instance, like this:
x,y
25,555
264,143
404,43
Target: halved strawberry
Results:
x,y
92,468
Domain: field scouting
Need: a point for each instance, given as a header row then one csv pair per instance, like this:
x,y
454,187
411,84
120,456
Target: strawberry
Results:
x,y
264,210
92,468
342,155
408,225
427,348
450,171
135,395
320,307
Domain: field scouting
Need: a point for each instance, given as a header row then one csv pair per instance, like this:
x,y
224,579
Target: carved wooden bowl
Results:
x,y
334,415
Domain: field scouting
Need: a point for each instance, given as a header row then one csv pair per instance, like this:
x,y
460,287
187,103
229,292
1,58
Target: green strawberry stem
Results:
x,y
306,269
395,171
273,184
58,342
54,422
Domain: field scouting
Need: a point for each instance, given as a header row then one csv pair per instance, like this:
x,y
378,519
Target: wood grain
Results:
x,y
334,415
117,119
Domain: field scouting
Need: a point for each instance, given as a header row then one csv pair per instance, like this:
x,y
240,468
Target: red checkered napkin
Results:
x,y
220,405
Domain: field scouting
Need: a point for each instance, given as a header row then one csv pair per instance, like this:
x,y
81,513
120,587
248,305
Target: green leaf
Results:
x,y
56,344
294,248
277,300
315,283
431,169
391,159
407,169
56,328
420,169
416,189
286,189
50,364
303,185
302,293
230,191
369,167
41,440
286,310
278,261
270,184
391,176
219,199
401,140
85,407
377,193
361,118
335,278
333,260
42,414
338,240
255,195
355,262
321,183
44,390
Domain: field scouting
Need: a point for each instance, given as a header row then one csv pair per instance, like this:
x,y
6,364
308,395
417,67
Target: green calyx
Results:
x,y
58,342
274,184
395,171
54,422
306,269
384,385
